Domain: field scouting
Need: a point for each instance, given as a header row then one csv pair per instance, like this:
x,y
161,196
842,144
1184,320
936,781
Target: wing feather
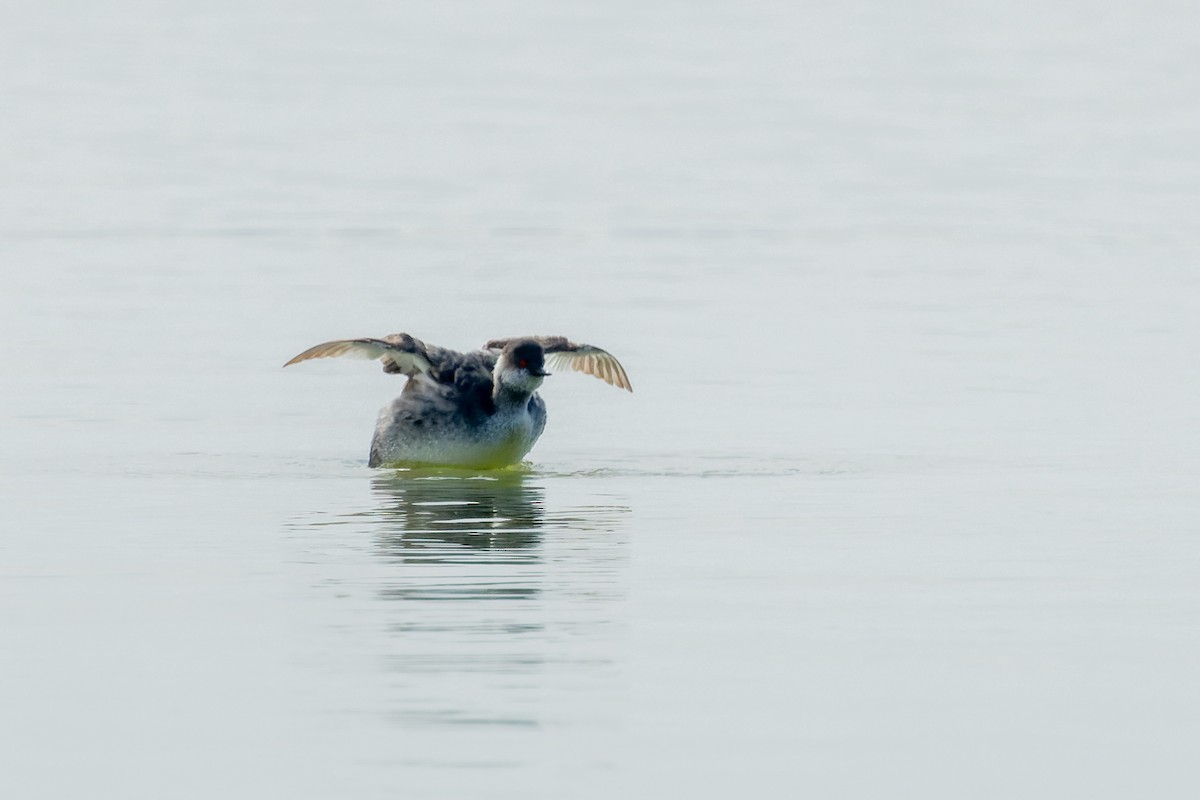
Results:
x,y
591,361
399,352
561,353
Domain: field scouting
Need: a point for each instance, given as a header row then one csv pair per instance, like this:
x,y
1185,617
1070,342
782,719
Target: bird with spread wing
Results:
x,y
478,409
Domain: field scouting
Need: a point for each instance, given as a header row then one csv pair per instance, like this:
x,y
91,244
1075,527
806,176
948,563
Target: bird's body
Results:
x,y
458,422
478,409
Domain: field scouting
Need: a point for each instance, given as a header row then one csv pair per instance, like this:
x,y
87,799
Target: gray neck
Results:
x,y
509,396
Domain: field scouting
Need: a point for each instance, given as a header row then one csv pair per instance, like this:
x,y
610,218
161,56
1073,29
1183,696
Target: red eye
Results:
x,y
522,364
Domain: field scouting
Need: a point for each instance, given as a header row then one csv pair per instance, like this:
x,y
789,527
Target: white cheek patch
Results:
x,y
521,380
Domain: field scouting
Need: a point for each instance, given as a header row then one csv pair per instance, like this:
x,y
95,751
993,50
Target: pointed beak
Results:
x,y
541,373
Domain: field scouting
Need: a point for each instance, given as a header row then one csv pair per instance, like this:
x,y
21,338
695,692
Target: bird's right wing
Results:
x,y
562,353
399,352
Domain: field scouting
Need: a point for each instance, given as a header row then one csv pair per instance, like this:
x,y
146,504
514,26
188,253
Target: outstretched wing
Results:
x,y
564,354
399,352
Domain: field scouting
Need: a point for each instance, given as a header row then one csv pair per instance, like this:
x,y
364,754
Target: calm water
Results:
x,y
904,504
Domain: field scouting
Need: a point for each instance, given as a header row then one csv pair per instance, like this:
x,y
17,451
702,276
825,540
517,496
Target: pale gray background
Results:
x,y
904,505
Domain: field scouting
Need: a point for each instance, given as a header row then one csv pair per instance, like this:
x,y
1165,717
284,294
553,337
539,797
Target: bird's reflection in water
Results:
x,y
443,515
462,537
478,613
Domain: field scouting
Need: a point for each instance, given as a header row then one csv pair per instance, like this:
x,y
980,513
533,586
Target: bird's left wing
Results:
x,y
399,352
